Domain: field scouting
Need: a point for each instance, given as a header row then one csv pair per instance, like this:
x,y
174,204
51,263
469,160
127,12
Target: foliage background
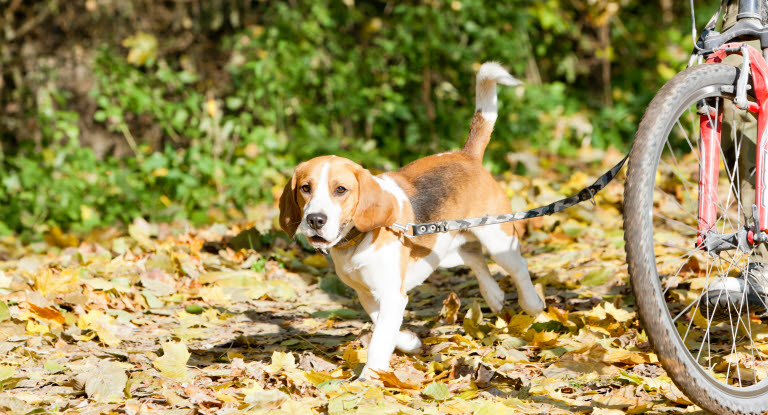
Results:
x,y
112,110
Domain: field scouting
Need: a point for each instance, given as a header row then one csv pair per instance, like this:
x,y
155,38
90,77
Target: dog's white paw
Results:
x,y
493,295
408,342
533,304
368,374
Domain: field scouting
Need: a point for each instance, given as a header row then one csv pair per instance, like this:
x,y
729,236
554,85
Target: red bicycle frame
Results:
x,y
710,145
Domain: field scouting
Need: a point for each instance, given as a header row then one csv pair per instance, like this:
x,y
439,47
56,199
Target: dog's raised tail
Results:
x,y
486,107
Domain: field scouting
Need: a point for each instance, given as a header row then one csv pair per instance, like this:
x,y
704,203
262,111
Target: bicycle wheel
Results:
x,y
718,361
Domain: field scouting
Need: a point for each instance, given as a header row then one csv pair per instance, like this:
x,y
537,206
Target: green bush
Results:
x,y
379,82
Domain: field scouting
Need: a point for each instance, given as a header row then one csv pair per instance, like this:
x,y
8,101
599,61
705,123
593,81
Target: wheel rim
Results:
x,y
729,344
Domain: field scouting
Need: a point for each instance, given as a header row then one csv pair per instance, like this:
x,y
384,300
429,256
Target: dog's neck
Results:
x,y
350,239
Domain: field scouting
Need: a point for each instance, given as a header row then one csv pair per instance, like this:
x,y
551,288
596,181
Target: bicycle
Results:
x,y
687,228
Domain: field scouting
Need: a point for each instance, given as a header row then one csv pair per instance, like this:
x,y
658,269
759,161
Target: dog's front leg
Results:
x,y
385,330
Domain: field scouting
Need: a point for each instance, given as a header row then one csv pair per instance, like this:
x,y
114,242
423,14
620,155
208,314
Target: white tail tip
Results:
x,y
490,74
492,71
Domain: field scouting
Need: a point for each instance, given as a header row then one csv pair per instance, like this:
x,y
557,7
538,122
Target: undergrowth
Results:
x,y
381,84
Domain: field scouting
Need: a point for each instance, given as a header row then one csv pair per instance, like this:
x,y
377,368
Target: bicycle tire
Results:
x,y
644,162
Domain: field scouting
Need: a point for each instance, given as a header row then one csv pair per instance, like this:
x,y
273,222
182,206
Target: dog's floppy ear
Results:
x,y
290,214
375,207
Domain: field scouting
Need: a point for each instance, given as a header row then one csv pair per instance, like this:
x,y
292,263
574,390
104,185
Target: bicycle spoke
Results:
x,y
710,304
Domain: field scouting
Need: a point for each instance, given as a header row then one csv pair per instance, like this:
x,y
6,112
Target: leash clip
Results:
x,y
402,228
592,197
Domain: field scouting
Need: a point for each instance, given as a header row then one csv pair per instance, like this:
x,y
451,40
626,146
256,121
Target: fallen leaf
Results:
x,y
473,322
103,325
6,372
5,314
271,399
48,282
55,237
140,230
597,277
53,367
46,313
281,361
450,310
390,380
437,391
173,363
337,314
106,382
316,260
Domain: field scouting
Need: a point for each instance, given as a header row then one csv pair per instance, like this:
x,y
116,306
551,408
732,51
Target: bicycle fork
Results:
x,y
710,122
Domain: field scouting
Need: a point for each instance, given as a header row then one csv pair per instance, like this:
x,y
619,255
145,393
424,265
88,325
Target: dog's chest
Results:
x,y
375,268
367,266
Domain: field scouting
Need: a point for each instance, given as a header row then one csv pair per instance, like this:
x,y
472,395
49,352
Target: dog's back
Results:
x,y
455,185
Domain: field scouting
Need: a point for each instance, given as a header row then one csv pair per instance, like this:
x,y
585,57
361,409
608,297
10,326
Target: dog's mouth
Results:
x,y
318,240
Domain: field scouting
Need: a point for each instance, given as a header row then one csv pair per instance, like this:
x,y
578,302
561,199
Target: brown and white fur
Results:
x,y
339,205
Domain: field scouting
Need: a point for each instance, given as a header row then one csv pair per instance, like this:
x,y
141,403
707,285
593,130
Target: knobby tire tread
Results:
x,y
652,132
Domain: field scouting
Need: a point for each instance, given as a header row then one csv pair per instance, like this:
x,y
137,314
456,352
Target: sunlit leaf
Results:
x,y
437,391
142,47
173,363
106,382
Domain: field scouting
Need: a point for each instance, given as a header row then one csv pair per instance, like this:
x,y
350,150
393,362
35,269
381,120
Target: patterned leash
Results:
x,y
588,193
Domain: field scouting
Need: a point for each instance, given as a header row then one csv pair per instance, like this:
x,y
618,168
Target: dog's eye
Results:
x,y
341,190
305,188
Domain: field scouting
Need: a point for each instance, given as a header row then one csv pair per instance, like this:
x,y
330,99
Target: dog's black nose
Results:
x,y
316,220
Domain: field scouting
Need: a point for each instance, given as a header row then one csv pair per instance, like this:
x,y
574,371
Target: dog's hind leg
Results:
x,y
504,248
472,255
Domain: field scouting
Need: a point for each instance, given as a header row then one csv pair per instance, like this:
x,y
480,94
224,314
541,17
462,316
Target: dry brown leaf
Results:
x,y
450,310
390,380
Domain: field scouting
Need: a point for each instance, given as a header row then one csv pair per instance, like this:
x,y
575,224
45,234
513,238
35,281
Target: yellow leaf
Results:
x,y
280,290
619,314
625,356
558,315
101,324
173,363
519,323
281,361
316,260
86,213
211,107
354,356
317,378
545,338
142,47
213,295
699,320
172,397
48,282
597,313
160,172
493,408
473,321
6,372
34,327
141,231
640,409
577,181
55,237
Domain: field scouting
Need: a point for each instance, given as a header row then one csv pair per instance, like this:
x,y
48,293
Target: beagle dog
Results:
x,y
340,206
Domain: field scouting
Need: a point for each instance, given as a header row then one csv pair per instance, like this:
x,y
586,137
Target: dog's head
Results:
x,y
328,196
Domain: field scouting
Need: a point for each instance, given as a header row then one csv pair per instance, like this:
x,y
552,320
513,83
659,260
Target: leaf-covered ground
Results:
x,y
223,319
